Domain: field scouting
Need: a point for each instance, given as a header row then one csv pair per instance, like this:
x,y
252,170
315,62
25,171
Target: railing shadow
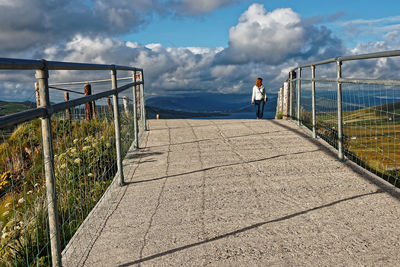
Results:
x,y
219,166
287,217
369,177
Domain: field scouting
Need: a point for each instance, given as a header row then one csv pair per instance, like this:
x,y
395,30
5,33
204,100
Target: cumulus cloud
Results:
x,y
199,7
28,24
273,37
263,44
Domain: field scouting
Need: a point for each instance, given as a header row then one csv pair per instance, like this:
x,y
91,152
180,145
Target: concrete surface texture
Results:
x,y
241,192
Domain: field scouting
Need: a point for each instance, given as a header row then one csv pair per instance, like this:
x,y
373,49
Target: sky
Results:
x,y
187,46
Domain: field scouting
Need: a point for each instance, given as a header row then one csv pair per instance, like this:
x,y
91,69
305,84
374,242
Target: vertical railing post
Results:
x,y
143,105
135,122
314,121
298,95
117,126
48,157
340,111
290,99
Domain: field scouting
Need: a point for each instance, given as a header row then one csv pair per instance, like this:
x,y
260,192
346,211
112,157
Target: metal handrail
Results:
x,y
393,53
29,64
46,110
27,115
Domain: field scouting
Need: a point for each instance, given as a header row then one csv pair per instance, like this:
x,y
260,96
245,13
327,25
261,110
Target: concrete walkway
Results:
x,y
240,193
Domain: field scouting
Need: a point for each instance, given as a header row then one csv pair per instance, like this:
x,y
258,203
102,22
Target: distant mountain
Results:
x,y
13,107
209,102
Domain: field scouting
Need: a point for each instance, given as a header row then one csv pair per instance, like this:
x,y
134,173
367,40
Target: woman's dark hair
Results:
x,y
259,82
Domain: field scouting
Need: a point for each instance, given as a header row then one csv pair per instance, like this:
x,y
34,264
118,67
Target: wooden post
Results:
x,y
109,106
67,111
93,109
37,94
88,106
126,105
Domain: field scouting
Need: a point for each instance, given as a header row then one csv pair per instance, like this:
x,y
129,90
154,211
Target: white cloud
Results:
x,y
273,37
265,36
200,7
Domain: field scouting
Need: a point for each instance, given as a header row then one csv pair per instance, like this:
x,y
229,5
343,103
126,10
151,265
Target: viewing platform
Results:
x,y
239,192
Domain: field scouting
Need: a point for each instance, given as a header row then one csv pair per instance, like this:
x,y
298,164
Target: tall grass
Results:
x,y
85,164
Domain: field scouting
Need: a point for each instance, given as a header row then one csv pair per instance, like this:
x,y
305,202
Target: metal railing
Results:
x,y
358,116
75,157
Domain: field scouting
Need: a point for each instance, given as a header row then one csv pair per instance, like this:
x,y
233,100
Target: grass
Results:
x,y
85,164
370,137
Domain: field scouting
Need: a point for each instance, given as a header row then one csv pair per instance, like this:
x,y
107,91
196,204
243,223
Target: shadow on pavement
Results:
x,y
171,251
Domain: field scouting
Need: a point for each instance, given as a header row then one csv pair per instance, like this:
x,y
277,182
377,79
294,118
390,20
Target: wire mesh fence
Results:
x,y
360,117
84,160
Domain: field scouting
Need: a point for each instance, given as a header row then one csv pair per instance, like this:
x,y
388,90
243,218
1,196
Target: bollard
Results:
x,y
135,121
340,111
314,130
48,158
117,127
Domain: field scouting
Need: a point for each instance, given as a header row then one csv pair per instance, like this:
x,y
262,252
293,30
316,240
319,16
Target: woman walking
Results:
x,y
259,98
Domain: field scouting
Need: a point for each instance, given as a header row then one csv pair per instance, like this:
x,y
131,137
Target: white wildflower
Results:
x,y
86,148
8,205
36,185
29,192
6,213
21,200
5,235
90,174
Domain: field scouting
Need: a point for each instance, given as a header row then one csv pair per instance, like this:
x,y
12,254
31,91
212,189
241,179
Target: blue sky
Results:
x,y
212,29
190,46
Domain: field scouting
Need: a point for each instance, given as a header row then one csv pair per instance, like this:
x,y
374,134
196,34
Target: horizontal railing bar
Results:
x,y
18,64
393,53
86,82
23,116
76,102
66,90
20,117
355,81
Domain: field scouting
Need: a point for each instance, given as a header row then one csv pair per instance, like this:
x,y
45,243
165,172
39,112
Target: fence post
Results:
x,y
43,82
290,95
314,121
67,111
88,105
340,111
109,106
135,122
298,95
117,127
37,94
286,100
126,106
143,106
